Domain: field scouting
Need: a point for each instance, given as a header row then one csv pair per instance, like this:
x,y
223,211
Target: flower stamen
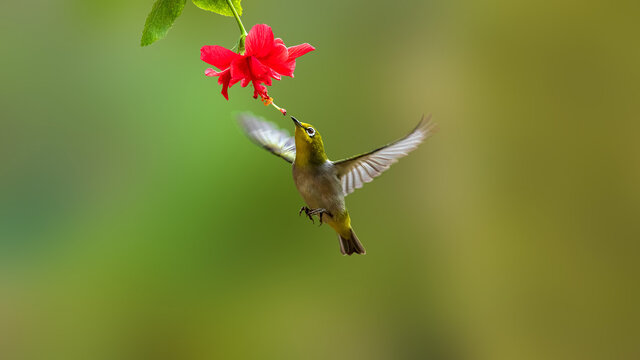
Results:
x,y
268,100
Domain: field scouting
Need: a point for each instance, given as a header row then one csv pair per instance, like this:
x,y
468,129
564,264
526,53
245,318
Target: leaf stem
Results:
x,y
235,14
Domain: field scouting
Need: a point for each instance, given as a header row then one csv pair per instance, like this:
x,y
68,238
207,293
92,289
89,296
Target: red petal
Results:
x,y
277,59
279,52
259,89
259,41
217,56
299,50
240,70
258,70
267,80
224,78
287,67
282,68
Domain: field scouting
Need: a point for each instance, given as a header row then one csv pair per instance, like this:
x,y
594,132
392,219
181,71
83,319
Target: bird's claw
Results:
x,y
311,212
307,212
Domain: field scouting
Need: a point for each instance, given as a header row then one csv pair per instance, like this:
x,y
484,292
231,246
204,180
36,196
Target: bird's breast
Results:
x,y
319,186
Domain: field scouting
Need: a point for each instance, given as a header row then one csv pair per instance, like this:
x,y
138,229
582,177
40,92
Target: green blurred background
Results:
x,y
137,222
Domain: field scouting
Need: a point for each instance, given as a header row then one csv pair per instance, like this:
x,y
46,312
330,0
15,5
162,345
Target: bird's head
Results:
x,y
309,146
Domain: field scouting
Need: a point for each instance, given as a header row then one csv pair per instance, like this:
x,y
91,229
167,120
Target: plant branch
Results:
x,y
235,14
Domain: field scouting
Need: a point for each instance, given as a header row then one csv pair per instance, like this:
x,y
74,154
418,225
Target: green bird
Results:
x,y
323,183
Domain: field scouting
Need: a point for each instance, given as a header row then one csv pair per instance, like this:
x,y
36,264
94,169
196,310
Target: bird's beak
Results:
x,y
295,121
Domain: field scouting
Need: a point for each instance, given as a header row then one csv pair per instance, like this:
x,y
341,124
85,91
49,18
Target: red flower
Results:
x,y
265,58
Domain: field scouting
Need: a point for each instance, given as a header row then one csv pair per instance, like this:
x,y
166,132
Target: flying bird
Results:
x,y
322,183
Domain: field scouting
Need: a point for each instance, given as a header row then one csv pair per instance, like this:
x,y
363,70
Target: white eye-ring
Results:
x,y
311,131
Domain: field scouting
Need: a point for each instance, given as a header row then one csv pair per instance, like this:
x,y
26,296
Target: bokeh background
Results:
x,y
137,222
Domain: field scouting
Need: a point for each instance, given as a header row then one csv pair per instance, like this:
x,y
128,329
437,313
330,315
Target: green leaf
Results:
x,y
160,19
219,6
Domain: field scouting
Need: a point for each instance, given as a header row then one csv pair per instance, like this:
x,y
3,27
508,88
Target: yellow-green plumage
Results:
x,y
322,183
317,181
309,150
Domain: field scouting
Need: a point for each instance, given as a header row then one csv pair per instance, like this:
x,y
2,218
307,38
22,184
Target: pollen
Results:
x,y
268,100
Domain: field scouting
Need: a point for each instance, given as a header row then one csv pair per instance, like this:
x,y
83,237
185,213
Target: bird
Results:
x,y
322,183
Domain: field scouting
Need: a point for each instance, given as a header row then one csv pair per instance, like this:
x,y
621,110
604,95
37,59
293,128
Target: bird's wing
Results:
x,y
356,171
268,136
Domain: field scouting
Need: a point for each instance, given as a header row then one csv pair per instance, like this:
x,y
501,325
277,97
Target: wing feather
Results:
x,y
358,170
268,136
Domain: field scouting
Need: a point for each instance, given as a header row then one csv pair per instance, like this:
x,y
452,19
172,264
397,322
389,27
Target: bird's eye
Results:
x,y
311,131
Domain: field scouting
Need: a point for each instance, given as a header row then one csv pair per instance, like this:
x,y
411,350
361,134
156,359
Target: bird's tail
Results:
x,y
350,244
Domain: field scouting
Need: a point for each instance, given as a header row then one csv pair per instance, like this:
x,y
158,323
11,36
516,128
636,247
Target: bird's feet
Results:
x,y
307,212
311,212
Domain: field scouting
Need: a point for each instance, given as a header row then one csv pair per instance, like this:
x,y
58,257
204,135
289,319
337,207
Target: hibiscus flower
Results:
x,y
265,58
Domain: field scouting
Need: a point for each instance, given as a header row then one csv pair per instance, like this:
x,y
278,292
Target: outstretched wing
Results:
x,y
268,136
356,171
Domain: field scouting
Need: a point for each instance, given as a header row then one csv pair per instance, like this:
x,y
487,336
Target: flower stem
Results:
x,y
235,14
